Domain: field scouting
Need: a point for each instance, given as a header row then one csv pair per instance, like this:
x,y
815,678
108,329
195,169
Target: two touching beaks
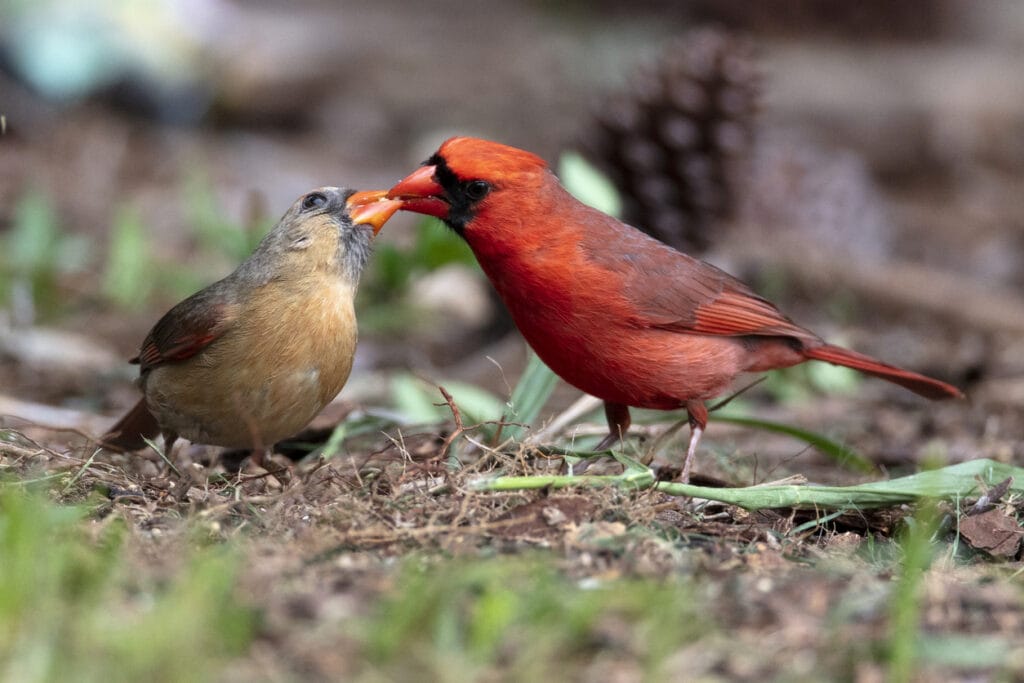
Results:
x,y
372,207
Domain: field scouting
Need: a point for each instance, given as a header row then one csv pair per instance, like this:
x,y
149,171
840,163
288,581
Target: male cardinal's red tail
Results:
x,y
919,384
130,432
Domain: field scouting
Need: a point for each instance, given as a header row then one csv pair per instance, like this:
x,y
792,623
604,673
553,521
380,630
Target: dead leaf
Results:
x,y
994,532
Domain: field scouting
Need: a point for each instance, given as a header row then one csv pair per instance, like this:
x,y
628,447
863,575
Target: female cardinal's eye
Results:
x,y
477,190
313,200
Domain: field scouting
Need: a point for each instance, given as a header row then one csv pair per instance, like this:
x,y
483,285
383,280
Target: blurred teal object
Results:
x,y
147,51
64,56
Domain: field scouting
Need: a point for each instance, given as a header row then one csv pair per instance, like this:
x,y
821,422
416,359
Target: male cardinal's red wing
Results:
x,y
186,330
729,312
738,313
670,290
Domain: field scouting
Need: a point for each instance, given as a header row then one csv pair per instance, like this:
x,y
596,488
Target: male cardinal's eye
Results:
x,y
477,190
313,200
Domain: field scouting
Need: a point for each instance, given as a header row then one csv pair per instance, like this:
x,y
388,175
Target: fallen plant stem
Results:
x,y
457,417
951,482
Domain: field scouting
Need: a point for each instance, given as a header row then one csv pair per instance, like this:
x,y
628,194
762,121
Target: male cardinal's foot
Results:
x,y
695,434
698,421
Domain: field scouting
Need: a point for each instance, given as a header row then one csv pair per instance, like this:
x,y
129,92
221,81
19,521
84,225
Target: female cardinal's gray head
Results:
x,y
330,228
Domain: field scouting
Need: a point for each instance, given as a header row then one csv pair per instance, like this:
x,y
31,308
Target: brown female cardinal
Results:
x,y
612,311
251,359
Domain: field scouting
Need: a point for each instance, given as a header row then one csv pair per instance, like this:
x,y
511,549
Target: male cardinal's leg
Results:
x,y
698,421
618,424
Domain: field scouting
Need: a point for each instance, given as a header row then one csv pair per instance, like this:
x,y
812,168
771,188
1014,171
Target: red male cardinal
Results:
x,y
612,311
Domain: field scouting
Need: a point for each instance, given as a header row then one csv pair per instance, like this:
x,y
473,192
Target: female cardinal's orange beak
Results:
x,y
420,192
372,208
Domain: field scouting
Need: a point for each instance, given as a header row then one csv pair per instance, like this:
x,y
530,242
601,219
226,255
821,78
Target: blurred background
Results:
x,y
862,164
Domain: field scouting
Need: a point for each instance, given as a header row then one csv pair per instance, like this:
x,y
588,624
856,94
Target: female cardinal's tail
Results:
x,y
130,432
919,384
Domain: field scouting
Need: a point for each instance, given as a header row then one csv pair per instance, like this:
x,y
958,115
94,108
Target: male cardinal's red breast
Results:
x,y
612,311
251,359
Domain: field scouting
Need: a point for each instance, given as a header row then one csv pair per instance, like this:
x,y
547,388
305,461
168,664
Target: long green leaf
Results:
x,y
588,184
832,449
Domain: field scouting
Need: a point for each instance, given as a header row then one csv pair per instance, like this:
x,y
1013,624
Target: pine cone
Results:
x,y
676,140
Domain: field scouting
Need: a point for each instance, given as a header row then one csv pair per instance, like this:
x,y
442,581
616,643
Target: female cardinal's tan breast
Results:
x,y
287,355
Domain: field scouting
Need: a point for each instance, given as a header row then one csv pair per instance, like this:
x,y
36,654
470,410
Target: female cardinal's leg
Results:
x,y
618,424
260,456
698,421
170,438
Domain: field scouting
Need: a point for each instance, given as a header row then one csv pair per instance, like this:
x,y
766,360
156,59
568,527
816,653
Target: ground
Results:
x,y
884,213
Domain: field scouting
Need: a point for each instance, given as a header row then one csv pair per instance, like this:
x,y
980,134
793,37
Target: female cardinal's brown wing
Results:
x,y
670,290
187,329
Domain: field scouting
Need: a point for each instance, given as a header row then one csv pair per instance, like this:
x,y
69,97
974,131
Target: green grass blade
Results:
x,y
905,602
73,606
127,278
529,396
842,455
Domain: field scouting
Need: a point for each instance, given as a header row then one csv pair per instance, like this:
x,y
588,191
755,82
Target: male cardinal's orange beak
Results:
x,y
371,208
420,192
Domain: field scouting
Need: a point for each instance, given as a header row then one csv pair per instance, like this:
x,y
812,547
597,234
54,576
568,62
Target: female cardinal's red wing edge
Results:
x,y
186,329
